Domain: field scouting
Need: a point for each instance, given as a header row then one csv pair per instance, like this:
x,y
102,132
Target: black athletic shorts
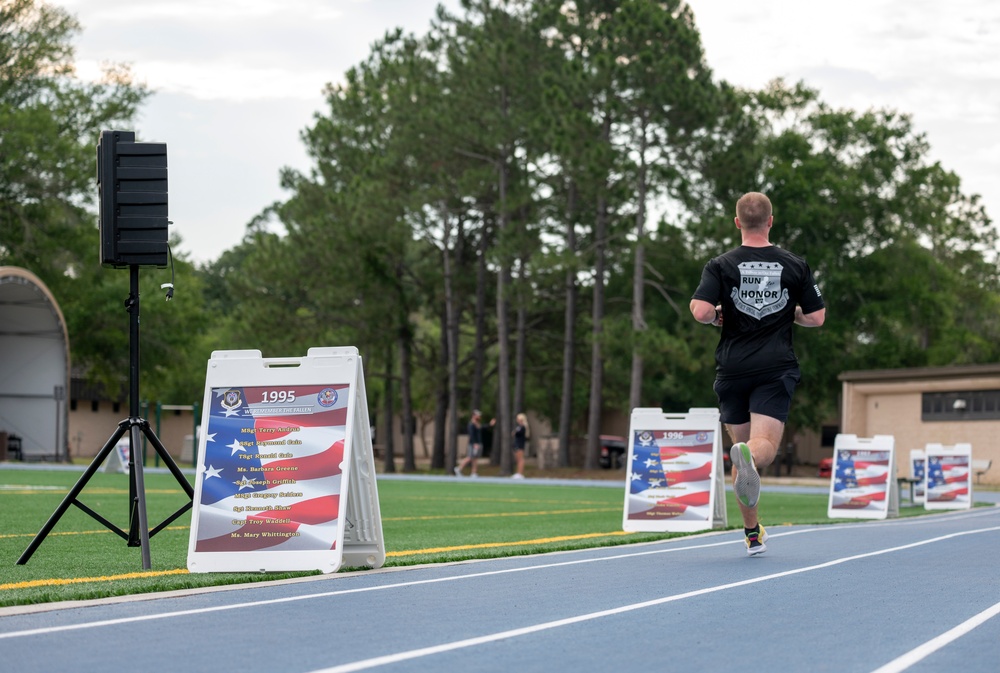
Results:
x,y
769,394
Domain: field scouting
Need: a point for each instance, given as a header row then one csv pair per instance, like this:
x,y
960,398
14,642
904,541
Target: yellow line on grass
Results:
x,y
490,515
68,532
38,490
55,581
411,552
529,501
490,545
79,532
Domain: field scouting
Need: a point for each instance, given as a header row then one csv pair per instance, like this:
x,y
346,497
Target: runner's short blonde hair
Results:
x,y
753,210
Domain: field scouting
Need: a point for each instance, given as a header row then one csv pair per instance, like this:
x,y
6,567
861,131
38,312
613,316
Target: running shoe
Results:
x,y
747,483
756,540
458,471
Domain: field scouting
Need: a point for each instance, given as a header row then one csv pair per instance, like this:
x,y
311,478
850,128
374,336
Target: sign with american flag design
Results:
x,y
948,477
675,479
918,471
284,456
863,480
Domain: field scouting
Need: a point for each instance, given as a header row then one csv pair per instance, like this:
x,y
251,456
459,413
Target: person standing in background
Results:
x,y
475,447
520,440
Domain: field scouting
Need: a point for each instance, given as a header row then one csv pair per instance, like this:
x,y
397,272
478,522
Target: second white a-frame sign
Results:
x,y
286,474
863,481
675,479
948,478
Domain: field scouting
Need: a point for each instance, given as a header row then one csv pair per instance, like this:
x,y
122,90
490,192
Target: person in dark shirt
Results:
x,y
756,293
520,441
475,445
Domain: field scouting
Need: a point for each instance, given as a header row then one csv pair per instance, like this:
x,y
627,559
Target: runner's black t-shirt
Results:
x,y
758,289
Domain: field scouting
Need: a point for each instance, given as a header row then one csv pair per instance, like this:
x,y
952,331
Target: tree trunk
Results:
x,y
479,352
639,279
451,334
569,331
520,354
405,372
501,432
597,316
597,337
390,458
441,403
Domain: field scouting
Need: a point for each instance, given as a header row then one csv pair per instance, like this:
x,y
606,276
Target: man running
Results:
x,y
761,291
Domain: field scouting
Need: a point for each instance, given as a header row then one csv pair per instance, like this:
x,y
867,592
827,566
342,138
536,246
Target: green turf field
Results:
x,y
422,521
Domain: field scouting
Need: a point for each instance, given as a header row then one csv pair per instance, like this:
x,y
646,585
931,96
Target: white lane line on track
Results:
x,y
920,653
374,662
343,592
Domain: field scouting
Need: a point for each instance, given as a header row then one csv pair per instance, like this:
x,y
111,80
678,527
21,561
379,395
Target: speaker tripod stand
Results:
x,y
136,427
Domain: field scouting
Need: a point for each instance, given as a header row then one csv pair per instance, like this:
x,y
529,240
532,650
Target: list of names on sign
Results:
x,y
271,475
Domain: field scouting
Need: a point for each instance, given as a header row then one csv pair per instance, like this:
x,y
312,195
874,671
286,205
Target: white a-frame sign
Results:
x,y
675,480
863,480
948,477
286,474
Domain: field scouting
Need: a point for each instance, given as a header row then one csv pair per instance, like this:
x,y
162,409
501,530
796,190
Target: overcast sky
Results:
x,y
236,81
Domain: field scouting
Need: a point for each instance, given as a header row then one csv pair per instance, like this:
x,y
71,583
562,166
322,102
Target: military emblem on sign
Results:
x,y
232,399
760,293
327,397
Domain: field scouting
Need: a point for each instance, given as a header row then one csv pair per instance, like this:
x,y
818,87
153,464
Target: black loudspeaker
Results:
x,y
132,190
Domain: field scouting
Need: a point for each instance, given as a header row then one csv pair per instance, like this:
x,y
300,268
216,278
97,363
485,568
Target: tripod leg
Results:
x,y
75,491
178,475
167,460
138,524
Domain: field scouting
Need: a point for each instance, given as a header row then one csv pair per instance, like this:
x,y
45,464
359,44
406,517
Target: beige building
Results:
x,y
942,405
93,419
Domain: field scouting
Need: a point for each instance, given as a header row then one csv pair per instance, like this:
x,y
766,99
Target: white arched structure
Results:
x,y
34,366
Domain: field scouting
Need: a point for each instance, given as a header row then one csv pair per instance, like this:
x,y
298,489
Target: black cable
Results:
x,y
169,287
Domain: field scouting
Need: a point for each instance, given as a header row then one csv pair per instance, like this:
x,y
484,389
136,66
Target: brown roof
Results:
x,y
912,373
